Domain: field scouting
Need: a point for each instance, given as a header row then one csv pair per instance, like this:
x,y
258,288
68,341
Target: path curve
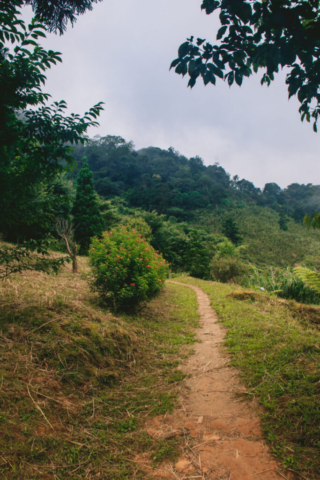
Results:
x,y
223,428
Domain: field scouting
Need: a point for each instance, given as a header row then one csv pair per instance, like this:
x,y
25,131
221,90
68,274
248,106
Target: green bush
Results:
x,y
126,268
228,269
284,283
139,225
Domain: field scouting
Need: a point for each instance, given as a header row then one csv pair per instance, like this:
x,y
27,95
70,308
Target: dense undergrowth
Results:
x,y
283,283
277,349
77,382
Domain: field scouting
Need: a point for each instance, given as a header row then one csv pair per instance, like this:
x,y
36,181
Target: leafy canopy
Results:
x,y
35,141
56,13
265,34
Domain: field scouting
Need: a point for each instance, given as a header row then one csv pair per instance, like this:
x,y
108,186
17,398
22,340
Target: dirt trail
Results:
x,y
223,429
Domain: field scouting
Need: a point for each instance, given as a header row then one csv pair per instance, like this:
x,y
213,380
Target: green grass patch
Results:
x,y
278,356
78,383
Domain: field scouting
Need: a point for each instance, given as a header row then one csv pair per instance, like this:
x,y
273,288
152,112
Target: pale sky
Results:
x,y
120,54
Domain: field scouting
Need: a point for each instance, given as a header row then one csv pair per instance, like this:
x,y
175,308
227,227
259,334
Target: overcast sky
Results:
x,y
120,54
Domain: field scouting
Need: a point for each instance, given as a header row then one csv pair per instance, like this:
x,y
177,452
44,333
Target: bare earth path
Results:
x,y
223,429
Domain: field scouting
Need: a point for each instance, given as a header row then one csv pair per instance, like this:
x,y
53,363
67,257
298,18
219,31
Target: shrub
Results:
x,y
228,249
139,225
284,283
228,268
126,269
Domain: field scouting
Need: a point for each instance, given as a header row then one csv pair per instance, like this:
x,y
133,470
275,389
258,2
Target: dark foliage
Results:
x,y
196,258
231,231
35,140
270,35
283,221
86,214
171,184
56,13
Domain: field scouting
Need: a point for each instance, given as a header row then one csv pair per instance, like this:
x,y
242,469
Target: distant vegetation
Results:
x,y
170,183
186,210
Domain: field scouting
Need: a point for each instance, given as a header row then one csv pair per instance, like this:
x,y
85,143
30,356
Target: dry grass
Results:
x,y
77,382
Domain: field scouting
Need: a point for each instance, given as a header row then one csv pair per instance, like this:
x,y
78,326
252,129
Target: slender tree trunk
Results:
x,y
75,260
73,255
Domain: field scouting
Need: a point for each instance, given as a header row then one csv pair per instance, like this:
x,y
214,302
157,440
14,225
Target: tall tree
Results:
x,y
87,218
34,141
283,221
196,258
231,231
255,34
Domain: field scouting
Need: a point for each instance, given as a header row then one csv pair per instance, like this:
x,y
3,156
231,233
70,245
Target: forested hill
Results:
x,y
166,181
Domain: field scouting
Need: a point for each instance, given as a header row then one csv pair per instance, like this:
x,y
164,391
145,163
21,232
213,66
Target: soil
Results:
x,y
221,430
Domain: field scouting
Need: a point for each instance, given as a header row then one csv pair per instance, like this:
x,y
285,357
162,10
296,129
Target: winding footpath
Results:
x,y
221,430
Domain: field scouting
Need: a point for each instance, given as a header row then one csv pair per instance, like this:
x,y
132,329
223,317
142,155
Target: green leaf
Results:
x,y
175,63
182,68
230,77
221,32
215,70
184,49
206,78
238,78
192,82
200,41
192,67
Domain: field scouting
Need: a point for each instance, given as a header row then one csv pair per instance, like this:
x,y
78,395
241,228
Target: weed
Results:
x,y
166,450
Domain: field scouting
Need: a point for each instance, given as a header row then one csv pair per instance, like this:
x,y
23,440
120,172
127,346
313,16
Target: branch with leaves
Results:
x,y
309,277
256,35
32,255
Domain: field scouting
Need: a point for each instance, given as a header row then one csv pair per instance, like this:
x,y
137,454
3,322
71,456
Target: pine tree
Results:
x,y
86,215
231,231
196,258
283,220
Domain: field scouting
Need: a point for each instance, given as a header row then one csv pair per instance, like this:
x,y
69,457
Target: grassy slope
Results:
x,y
278,355
77,383
267,244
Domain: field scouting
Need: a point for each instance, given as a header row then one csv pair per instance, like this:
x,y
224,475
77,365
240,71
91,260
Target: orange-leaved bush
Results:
x,y
126,268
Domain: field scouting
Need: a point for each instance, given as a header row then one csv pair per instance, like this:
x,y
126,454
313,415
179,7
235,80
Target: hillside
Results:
x,y
267,244
165,180
193,196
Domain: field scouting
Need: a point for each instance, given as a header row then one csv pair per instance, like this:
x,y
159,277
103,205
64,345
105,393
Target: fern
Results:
x,y
311,278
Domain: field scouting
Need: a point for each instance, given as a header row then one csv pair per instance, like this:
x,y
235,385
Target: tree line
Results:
x,y
172,184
